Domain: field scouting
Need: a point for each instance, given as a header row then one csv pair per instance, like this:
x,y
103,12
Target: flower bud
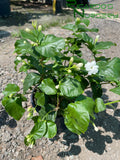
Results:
x,y
71,60
34,24
27,30
79,65
39,28
57,86
69,71
96,39
95,128
77,20
24,42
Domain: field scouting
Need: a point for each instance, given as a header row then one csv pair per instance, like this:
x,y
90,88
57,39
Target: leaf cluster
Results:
x,y
55,68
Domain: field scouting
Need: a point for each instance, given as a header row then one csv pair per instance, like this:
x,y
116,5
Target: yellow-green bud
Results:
x,y
96,39
69,71
65,40
77,66
77,20
24,42
27,30
39,28
34,24
71,60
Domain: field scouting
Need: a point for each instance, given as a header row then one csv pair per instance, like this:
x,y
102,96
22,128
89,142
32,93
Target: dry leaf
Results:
x,y
37,158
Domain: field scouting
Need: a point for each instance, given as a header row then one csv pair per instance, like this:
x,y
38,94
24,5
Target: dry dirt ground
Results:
x,y
101,145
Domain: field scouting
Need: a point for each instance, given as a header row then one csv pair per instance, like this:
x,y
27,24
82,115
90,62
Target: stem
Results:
x,y
112,102
47,114
58,102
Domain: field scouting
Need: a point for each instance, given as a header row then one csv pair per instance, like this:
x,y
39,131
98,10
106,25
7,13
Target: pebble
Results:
x,y
13,139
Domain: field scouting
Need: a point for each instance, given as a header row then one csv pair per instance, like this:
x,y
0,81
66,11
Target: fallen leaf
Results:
x,y
37,158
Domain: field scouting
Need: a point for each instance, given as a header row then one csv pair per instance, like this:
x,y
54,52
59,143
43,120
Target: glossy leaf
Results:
x,y
70,87
22,46
116,90
68,26
110,70
48,87
103,45
30,80
50,46
14,107
11,89
40,97
100,106
51,129
29,35
39,130
77,115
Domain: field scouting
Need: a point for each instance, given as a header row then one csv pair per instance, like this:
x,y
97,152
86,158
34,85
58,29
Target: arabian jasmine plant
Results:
x,y
58,76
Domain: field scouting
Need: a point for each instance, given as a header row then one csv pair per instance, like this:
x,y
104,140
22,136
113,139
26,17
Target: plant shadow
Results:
x,y
95,141
4,34
4,120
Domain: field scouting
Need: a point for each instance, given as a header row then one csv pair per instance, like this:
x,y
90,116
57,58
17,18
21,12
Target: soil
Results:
x,y
101,145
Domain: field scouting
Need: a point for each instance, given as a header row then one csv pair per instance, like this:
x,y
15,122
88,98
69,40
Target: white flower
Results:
x,y
57,86
91,67
19,58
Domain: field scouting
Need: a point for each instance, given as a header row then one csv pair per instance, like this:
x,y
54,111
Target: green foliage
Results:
x,y
30,80
59,75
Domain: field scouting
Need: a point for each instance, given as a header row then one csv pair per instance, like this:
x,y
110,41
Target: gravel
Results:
x,y
101,145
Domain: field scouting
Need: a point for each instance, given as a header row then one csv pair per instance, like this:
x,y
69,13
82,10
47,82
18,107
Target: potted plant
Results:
x,y
57,75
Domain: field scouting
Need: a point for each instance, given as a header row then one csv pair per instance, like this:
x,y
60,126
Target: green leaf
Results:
x,y
5,100
40,97
30,80
70,87
48,87
103,45
51,129
39,130
110,70
100,106
83,81
14,107
50,46
116,90
77,115
82,28
69,27
85,21
11,89
44,110
29,35
87,39
22,46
